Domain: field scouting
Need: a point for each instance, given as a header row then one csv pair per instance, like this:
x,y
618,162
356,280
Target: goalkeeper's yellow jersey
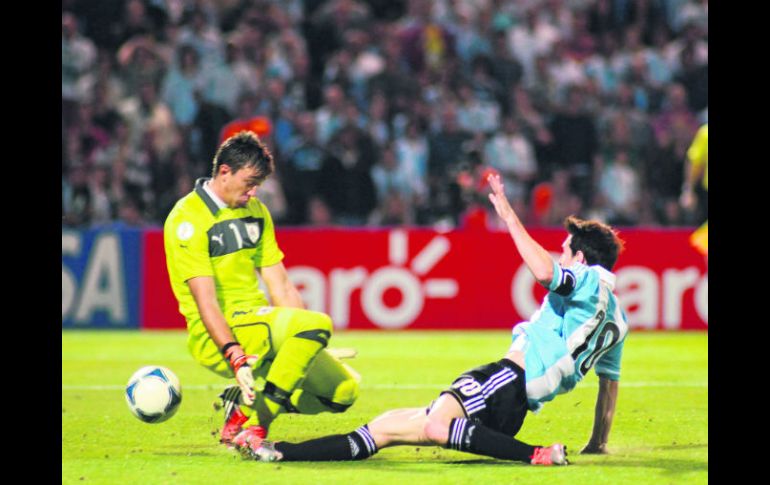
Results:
x,y
698,153
202,239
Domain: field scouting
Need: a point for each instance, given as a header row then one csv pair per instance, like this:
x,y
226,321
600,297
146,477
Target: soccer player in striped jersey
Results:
x,y
579,326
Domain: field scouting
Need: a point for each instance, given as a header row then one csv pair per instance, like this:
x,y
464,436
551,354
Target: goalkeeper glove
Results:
x,y
242,366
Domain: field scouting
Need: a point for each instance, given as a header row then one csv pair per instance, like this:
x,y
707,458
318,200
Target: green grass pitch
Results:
x,y
660,433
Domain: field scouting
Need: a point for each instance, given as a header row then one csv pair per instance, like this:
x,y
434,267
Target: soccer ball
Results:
x,y
153,394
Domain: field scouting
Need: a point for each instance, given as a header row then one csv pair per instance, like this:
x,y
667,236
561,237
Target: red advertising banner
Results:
x,y
469,279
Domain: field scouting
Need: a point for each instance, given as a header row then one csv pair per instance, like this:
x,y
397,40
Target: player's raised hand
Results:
x,y
243,366
687,199
497,197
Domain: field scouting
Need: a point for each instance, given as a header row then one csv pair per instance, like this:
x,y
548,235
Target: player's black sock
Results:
x,y
340,447
476,438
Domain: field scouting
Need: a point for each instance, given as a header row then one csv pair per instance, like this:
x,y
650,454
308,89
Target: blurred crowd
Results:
x,y
386,112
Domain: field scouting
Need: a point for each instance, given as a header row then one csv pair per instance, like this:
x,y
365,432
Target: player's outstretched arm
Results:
x,y
282,291
605,411
534,255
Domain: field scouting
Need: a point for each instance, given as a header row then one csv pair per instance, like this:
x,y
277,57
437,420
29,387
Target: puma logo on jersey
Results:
x,y
219,239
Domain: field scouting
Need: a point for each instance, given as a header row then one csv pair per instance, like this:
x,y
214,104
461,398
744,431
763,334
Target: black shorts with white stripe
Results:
x,y
494,394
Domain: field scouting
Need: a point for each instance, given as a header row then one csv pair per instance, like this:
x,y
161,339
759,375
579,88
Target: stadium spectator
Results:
x,y
331,115
511,153
102,82
675,115
412,153
446,152
532,38
506,70
377,123
100,197
146,112
78,55
339,59
304,160
394,191
576,141
76,198
474,114
202,34
620,187
663,170
345,179
394,81
603,18
183,86
695,79
318,211
134,22
469,40
425,44
141,61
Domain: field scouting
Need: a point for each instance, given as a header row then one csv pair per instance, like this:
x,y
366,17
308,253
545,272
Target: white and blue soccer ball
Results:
x,y
153,394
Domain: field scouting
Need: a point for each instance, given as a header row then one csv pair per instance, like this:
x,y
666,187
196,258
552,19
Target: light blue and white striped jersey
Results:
x,y
579,325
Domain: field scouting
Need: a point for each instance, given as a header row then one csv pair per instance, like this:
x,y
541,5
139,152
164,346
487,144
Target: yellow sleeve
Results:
x,y
268,253
698,153
699,150
187,249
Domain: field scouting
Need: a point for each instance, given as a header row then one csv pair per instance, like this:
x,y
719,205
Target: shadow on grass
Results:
x,y
689,446
185,453
673,466
382,466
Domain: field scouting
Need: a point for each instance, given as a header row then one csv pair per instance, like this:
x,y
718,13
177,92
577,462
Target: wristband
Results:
x,y
227,346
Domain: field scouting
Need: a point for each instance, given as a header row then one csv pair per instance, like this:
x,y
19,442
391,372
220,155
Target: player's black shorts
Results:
x,y
493,394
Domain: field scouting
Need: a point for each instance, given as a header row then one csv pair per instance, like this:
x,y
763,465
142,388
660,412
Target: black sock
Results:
x,y
476,438
339,447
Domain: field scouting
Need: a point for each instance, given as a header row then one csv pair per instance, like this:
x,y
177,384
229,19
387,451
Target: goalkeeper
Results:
x,y
217,238
579,326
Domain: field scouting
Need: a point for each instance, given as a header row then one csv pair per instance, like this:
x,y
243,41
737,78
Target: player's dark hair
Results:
x,y
599,243
244,149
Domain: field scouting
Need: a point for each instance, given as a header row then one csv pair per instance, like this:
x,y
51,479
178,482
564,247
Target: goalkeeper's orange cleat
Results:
x,y
251,443
555,454
234,417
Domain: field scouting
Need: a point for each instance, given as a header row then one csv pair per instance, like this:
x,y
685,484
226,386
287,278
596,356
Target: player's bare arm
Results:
x,y
692,173
205,295
204,292
605,411
280,288
534,255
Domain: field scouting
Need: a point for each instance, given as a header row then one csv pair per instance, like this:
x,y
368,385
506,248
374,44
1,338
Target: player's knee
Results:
x,y
346,393
436,431
320,322
325,323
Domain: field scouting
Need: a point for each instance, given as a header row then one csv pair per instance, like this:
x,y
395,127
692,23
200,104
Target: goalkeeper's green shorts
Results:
x,y
261,331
